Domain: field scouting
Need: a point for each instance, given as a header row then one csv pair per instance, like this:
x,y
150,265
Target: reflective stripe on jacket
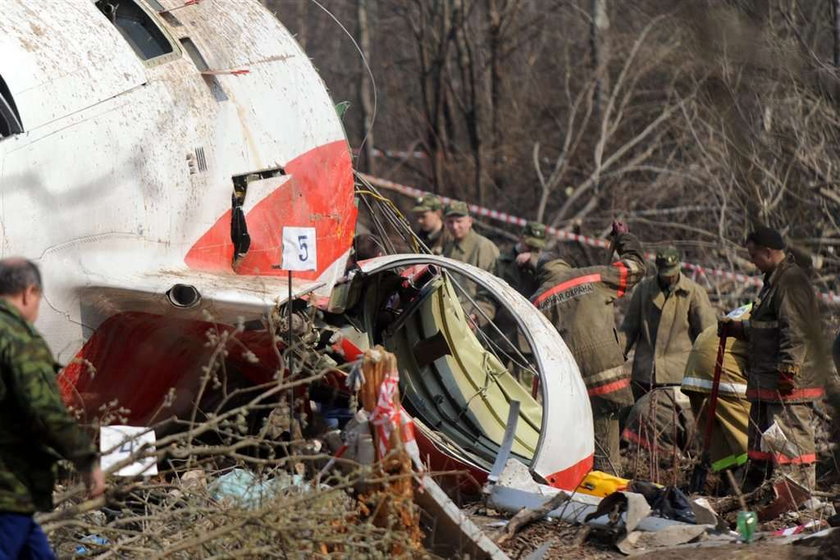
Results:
x,y
700,367
579,303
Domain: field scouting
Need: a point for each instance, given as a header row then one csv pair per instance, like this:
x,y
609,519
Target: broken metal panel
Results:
x,y
565,442
574,511
111,138
453,534
466,391
516,489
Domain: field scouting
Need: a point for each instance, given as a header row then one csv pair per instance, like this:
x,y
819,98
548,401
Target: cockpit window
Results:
x,y
136,27
9,117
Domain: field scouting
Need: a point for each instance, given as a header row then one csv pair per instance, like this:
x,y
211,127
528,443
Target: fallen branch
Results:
x,y
527,516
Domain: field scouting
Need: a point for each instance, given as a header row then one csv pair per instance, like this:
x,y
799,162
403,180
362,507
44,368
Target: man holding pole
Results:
x,y
722,421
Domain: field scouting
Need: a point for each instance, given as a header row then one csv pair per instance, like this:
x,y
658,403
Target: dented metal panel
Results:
x,y
566,442
132,161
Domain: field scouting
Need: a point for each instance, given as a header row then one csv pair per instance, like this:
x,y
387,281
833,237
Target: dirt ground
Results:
x,y
565,542
573,541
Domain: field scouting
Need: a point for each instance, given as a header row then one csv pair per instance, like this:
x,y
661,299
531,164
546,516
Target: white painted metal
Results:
x,y
566,436
100,189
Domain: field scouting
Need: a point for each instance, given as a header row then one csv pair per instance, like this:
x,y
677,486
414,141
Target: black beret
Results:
x,y
764,236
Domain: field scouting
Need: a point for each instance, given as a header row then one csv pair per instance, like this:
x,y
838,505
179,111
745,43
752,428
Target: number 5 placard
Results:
x,y
299,251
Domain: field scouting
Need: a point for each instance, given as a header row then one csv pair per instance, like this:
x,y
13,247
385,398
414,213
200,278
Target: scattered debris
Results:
x,y
637,541
516,489
527,516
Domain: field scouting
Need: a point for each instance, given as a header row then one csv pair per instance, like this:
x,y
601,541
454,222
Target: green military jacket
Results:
x,y
663,326
523,279
784,336
579,302
35,427
434,240
476,250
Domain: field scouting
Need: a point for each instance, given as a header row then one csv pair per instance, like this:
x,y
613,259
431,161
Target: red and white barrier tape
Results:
x,y
387,417
696,269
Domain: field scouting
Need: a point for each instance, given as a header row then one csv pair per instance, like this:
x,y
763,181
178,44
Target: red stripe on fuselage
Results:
x,y
318,193
571,477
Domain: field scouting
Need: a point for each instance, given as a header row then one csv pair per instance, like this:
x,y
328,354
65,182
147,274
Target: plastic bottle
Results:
x,y
746,525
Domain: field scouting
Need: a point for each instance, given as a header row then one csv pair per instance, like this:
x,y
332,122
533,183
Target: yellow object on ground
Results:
x,y
601,484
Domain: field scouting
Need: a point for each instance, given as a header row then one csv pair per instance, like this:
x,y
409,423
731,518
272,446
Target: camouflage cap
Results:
x,y
668,261
457,208
533,234
426,203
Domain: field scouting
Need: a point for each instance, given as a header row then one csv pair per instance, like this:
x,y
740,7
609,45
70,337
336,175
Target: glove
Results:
x,y
787,382
730,328
619,227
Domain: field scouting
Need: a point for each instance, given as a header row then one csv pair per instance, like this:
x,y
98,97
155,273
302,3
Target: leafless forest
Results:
x,y
690,120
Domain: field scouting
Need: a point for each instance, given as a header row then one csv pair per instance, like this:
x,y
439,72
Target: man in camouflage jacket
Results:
x,y
35,427
579,303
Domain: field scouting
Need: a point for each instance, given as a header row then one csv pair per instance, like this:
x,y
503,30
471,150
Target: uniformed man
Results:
x,y
579,302
786,363
35,427
466,245
667,312
517,267
728,441
429,215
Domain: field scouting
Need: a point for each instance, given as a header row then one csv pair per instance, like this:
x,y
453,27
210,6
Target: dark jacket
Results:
x,y
435,240
784,336
579,303
663,325
523,279
35,427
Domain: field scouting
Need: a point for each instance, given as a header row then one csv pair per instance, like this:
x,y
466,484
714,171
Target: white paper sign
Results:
x,y
299,251
118,443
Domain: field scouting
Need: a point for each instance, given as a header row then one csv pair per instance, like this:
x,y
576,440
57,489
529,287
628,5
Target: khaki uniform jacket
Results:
x,y
579,303
434,241
35,427
476,250
663,326
700,368
784,335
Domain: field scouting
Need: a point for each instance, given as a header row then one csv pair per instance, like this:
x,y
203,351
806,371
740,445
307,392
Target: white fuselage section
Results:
x,y
120,184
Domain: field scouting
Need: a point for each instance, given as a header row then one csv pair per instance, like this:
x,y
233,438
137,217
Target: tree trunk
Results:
x,y
599,45
495,19
836,32
366,91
